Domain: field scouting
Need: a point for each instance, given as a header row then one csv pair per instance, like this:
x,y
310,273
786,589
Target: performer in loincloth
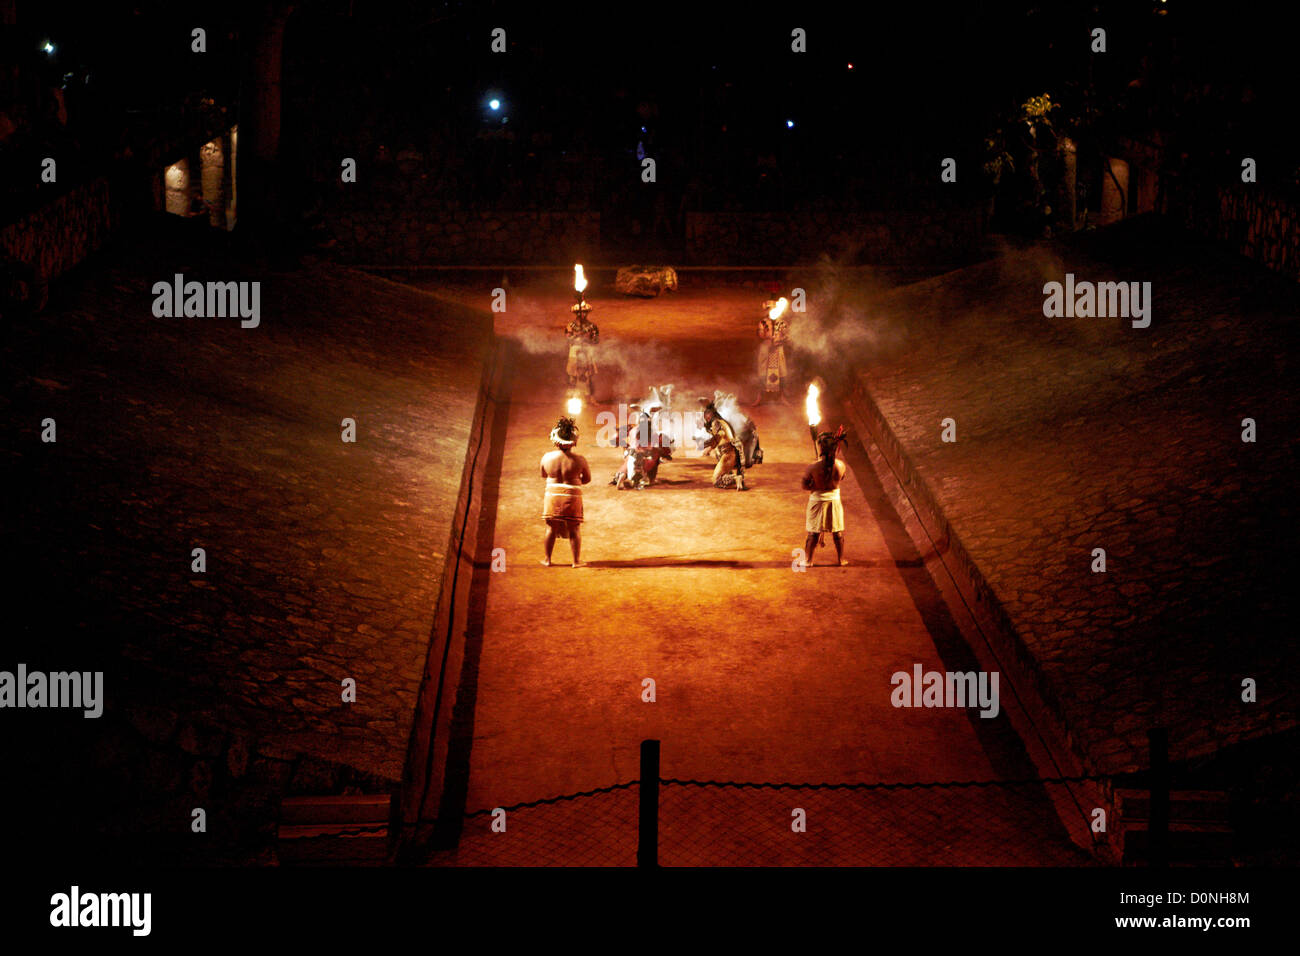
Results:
x,y
822,479
565,474
581,367
773,334
730,468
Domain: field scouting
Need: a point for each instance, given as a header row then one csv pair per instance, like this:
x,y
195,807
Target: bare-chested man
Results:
x,y
825,511
565,474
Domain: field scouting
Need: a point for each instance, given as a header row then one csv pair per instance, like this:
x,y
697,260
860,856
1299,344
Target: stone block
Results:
x,y
646,281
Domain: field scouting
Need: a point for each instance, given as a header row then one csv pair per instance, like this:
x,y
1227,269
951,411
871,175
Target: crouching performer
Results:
x,y
565,474
644,448
729,448
825,510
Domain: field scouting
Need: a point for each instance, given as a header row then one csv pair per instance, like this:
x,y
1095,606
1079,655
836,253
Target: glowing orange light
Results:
x,y
776,310
575,406
810,405
579,280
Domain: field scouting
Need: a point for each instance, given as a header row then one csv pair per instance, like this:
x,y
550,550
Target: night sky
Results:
x,y
713,89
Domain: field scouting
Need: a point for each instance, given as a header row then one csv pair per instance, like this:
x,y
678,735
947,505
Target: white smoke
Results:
x,y
729,409
845,324
624,369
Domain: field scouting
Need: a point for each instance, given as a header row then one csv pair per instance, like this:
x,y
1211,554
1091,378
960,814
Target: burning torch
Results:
x,y
580,308
579,286
814,413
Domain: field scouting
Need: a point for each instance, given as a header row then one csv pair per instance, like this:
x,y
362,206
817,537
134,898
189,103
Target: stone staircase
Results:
x,y
347,830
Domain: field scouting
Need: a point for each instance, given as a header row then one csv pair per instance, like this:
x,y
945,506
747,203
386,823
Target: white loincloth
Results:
x,y
825,512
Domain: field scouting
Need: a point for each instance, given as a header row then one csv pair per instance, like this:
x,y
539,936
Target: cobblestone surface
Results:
x,y
1083,433
323,557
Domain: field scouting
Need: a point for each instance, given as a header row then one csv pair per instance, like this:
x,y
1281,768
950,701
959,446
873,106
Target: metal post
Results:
x,y
1158,814
647,849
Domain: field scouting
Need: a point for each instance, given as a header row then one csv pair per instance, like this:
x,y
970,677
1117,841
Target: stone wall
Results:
x,y
432,757
395,234
874,236
1186,511
947,560
154,765
1257,224
392,235
53,239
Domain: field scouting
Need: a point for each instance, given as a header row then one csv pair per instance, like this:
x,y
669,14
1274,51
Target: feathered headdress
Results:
x,y
826,441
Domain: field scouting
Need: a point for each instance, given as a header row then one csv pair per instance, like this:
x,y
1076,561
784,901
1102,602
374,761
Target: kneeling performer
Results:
x,y
730,450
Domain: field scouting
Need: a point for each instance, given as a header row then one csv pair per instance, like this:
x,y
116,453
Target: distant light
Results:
x,y
850,66
643,129
48,48
494,104
789,124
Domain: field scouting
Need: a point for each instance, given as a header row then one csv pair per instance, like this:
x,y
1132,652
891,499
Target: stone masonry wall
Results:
x,y
1259,225
53,239
1256,224
875,236
395,234
392,235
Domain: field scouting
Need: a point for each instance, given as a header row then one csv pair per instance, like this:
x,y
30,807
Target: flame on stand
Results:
x,y
574,407
775,312
810,405
579,280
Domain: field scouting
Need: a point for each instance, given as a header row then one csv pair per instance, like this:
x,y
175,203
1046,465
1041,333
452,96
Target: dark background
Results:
x,y
705,91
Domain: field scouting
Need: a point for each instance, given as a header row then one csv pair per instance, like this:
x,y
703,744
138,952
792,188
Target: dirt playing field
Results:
x,y
761,673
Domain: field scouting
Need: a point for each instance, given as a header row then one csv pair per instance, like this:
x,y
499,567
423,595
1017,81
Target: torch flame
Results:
x,y
579,280
810,405
575,406
776,310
